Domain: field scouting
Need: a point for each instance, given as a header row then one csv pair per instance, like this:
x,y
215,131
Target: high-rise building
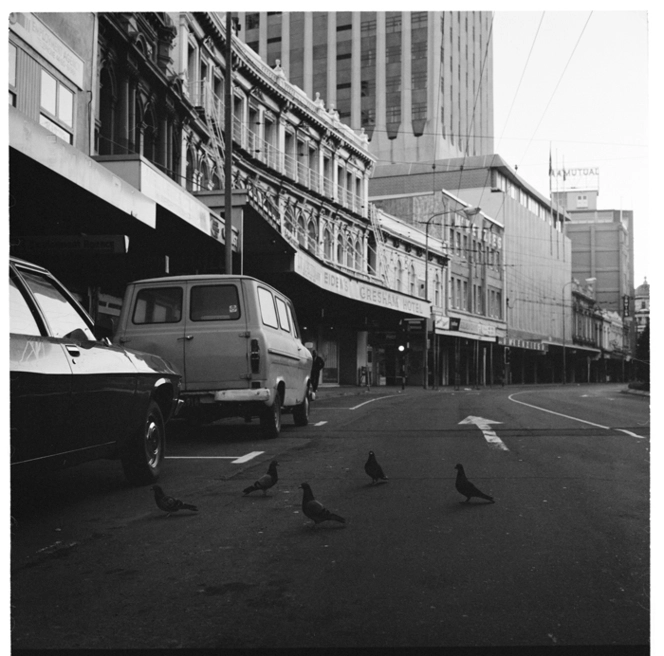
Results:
x,y
602,247
420,83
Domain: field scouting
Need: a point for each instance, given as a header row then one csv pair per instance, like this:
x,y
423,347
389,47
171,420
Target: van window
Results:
x,y
293,321
158,305
214,303
266,301
283,315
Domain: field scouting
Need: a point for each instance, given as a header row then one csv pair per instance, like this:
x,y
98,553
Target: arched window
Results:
x,y
411,281
327,243
301,232
436,292
312,237
190,174
358,255
150,136
340,249
349,253
399,276
106,134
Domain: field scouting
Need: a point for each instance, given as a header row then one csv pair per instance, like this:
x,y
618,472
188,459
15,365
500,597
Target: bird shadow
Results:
x,y
461,506
175,515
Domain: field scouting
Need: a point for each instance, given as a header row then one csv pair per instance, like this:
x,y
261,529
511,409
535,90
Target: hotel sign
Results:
x,y
358,290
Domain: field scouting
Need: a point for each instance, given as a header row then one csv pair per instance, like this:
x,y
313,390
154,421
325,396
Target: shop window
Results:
x,y
57,107
12,75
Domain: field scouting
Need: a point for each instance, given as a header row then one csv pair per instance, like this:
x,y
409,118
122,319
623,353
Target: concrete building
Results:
x,y
535,254
420,84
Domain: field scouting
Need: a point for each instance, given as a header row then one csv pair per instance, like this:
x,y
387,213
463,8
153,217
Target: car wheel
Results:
x,y
271,418
144,454
301,412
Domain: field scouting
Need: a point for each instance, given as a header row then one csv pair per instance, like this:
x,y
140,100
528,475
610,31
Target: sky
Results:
x,y
576,84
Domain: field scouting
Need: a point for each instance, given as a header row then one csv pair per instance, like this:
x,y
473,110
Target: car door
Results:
x,y
103,378
40,382
153,321
216,336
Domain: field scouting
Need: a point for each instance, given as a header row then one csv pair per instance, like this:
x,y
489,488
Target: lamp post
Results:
x,y
564,344
468,212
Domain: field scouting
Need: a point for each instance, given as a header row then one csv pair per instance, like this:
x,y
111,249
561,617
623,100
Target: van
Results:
x,y
234,339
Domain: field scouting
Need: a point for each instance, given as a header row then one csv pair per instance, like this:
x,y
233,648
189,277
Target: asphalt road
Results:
x,y
561,558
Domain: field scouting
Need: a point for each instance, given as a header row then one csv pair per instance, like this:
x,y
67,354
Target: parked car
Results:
x,y
235,339
75,397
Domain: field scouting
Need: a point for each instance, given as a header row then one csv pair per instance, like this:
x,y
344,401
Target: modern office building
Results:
x,y
420,84
534,254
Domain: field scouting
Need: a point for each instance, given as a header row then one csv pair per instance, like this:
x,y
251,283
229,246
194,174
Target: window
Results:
x,y
419,50
158,305
12,74
57,105
214,303
22,321
61,315
268,312
253,20
284,320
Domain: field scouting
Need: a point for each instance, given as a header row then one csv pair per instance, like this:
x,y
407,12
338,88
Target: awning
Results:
x,y
357,290
40,145
573,347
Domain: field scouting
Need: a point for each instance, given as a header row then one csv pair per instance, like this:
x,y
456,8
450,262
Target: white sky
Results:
x,y
576,83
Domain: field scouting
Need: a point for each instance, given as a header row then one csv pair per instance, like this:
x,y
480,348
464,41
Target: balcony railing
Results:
x,y
203,97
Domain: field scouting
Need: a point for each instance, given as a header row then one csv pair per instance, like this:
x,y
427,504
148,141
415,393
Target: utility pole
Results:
x,y
228,138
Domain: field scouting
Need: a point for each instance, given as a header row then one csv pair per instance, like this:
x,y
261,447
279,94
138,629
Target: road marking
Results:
x,y
379,398
560,414
623,430
320,423
485,426
235,460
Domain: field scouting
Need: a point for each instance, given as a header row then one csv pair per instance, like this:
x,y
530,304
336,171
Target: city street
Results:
x,y
561,558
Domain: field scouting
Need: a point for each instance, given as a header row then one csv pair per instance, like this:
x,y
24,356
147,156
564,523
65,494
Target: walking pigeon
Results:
x,y
266,481
374,470
314,509
169,504
465,487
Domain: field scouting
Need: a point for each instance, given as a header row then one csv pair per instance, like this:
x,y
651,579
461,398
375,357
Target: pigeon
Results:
x,y
314,509
465,487
169,504
374,470
266,481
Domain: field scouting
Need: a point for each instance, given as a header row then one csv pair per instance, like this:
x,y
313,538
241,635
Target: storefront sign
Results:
x,y
111,244
526,344
358,290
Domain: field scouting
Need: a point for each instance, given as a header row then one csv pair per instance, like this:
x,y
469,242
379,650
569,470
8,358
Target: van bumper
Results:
x,y
243,396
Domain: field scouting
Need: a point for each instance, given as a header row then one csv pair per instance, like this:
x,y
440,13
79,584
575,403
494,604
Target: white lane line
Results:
x,y
320,423
623,430
235,460
560,414
379,398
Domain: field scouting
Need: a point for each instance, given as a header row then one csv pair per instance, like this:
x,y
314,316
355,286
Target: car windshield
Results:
x,y
62,317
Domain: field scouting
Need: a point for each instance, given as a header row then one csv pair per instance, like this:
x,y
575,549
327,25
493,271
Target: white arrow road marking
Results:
x,y
485,426
235,460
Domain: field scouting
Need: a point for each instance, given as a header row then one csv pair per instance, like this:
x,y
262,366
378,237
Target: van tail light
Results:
x,y
255,357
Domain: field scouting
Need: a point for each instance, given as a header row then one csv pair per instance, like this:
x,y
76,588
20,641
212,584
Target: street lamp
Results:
x,y
564,345
468,212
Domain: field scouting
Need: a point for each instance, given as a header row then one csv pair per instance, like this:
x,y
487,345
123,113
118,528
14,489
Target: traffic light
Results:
x,y
507,355
402,337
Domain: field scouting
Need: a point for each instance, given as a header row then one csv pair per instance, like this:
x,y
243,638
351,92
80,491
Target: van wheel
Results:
x,y
271,419
301,412
144,453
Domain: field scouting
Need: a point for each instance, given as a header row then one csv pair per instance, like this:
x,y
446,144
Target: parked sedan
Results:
x,y
74,397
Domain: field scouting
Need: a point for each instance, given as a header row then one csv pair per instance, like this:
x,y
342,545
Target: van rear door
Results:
x,y
216,337
154,321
